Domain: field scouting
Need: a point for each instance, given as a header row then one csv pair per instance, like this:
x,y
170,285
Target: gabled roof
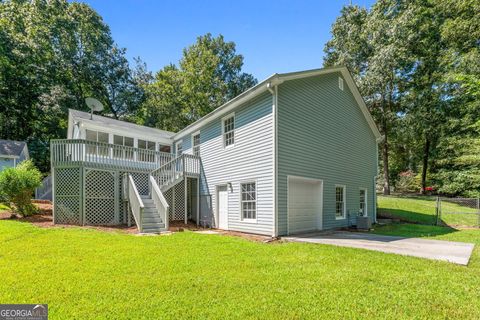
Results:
x,y
277,79
109,122
11,148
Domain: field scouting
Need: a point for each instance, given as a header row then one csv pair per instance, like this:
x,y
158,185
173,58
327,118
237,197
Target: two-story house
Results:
x,y
295,153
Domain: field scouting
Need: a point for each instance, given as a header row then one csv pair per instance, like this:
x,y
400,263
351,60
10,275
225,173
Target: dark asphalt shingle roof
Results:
x,y
11,148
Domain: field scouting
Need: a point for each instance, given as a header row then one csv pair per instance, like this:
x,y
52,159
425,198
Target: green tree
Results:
x,y
372,45
208,74
54,54
458,166
417,64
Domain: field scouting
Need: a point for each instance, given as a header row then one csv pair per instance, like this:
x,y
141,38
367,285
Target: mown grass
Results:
x,y
88,274
422,210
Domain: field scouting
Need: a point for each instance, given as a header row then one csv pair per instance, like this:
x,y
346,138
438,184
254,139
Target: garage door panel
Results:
x,y
304,204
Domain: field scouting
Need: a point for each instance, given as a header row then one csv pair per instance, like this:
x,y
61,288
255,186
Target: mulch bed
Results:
x,y
44,219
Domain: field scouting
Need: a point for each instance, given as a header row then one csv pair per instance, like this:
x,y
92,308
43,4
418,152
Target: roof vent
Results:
x,y
340,83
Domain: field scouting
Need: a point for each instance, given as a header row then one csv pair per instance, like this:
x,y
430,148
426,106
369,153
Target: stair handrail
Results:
x,y
191,163
160,201
169,170
165,164
185,163
136,203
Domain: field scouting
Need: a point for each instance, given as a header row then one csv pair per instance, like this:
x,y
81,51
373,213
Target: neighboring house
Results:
x,y
12,153
295,153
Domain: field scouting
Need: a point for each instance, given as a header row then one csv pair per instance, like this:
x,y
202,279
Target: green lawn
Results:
x,y
85,273
422,210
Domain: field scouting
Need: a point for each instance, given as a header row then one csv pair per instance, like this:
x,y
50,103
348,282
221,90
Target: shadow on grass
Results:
x,y
407,216
413,230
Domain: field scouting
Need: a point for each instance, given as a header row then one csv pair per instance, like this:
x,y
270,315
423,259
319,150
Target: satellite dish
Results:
x,y
94,105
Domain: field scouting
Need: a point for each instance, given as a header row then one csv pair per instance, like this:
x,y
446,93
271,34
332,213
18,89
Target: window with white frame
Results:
x,y
164,148
123,141
339,202
97,136
248,200
229,131
179,148
363,202
147,156
196,144
145,144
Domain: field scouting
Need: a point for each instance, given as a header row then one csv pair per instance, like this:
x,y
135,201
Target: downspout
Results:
x,y
274,91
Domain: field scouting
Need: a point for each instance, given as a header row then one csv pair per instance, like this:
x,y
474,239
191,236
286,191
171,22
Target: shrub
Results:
x,y
17,186
407,182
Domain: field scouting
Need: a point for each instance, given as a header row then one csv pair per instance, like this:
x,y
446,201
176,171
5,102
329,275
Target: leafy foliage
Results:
x,y
17,186
208,75
53,55
417,64
375,53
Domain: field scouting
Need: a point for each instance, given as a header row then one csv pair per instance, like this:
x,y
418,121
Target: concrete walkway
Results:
x,y
455,252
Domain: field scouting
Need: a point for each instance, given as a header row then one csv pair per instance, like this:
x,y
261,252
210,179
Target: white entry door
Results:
x,y
304,204
222,207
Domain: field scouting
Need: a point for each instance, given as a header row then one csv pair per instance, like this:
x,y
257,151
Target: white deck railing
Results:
x,y
175,169
160,201
136,203
72,151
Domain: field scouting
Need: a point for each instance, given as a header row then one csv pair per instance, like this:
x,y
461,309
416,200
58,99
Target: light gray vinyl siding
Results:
x,y
323,134
6,163
23,155
250,159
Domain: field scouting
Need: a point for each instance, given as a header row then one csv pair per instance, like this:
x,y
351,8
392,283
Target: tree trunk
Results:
x,y
386,171
426,151
385,147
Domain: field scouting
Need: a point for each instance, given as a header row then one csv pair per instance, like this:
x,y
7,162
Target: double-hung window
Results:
x,y
248,200
363,202
340,202
229,131
196,144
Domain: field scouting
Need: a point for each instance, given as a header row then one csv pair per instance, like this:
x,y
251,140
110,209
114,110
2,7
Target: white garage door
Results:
x,y
304,204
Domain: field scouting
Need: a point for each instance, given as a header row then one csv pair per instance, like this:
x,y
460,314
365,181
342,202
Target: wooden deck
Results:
x,y
76,152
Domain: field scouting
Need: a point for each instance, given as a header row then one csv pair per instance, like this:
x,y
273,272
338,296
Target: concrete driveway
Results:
x,y
455,252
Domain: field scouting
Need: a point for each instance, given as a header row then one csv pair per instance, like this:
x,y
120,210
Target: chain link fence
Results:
x,y
458,212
